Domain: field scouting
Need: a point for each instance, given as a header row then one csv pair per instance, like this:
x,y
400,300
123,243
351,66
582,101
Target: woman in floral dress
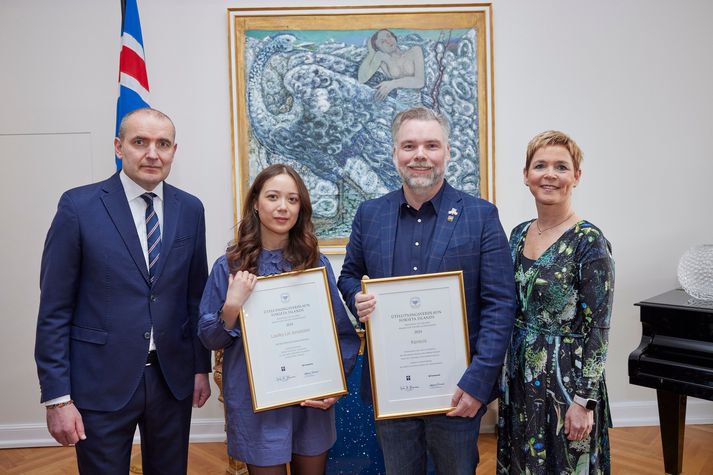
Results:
x,y
554,414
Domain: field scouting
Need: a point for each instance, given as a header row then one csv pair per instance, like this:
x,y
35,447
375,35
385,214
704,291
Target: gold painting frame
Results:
x,y
245,26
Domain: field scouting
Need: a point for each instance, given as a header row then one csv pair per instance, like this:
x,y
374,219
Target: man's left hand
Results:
x,y
465,404
201,389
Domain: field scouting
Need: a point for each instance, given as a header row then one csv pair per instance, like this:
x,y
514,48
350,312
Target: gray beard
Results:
x,y
422,183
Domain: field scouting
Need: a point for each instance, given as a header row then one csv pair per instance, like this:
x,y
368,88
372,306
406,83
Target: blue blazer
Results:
x,y
474,242
97,306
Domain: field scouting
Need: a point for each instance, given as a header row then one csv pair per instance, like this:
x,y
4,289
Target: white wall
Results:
x,y
629,80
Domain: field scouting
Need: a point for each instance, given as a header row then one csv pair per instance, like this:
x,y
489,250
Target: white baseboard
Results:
x,y
624,414
36,435
646,413
13,436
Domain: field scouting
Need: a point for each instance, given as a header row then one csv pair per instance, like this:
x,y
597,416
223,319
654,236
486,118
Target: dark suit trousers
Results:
x,y
163,421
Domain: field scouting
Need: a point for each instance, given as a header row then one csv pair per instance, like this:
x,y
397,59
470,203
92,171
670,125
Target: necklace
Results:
x,y
540,231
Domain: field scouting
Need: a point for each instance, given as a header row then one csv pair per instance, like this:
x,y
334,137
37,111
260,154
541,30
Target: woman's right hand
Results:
x,y
240,286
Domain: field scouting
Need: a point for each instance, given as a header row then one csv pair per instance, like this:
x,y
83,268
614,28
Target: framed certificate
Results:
x,y
290,340
418,343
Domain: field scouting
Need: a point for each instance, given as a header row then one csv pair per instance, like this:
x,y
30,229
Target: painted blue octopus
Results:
x,y
324,103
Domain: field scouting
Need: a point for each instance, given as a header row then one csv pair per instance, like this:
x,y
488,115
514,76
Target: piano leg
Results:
x,y
672,417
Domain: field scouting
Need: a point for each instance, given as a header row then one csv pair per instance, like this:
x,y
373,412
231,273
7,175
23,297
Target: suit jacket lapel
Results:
x,y
449,213
114,199
171,213
390,220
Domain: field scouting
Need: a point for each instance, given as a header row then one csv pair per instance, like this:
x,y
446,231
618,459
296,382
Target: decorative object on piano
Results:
x,y
695,272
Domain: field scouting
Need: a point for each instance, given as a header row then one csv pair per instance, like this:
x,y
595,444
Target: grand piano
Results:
x,y
675,357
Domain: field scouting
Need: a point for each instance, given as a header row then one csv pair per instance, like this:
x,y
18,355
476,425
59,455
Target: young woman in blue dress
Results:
x,y
275,235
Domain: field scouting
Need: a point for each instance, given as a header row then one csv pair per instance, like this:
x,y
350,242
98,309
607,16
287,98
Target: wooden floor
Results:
x,y
635,451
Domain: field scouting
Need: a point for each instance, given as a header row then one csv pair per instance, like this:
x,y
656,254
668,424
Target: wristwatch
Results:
x,y
590,404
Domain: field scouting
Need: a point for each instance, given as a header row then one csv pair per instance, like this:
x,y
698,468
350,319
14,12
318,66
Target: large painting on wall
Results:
x,y
317,88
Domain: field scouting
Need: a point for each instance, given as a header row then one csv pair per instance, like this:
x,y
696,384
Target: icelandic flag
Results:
x,y
133,80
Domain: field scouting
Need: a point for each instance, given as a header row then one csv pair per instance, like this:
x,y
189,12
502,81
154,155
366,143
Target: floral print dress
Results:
x,y
558,349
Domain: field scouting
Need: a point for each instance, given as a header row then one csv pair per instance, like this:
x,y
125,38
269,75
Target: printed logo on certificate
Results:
x,y
418,343
290,340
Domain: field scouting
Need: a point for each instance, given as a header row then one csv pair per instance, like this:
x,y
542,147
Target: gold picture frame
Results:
x,y
299,96
418,343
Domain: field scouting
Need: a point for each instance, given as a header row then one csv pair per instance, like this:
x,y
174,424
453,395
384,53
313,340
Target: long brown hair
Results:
x,y
301,251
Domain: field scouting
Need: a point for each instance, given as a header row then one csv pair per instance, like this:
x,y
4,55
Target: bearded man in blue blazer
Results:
x,y
428,226
123,271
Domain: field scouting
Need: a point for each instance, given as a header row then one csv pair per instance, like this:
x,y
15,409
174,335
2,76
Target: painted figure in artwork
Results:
x,y
402,68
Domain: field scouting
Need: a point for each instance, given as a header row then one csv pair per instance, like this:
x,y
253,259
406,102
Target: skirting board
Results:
x,y
624,414
646,413
36,435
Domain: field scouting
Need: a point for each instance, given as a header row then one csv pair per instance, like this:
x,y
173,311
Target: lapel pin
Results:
x,y
451,213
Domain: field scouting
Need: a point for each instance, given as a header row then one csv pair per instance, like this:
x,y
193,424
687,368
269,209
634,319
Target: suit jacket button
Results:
x,y
147,335
153,298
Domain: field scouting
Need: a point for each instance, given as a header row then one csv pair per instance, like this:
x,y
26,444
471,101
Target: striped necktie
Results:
x,y
153,233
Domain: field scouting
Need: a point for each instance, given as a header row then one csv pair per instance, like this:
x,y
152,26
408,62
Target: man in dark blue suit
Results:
x,y
428,226
123,271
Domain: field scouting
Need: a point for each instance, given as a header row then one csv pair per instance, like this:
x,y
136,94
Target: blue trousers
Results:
x,y
452,443
164,424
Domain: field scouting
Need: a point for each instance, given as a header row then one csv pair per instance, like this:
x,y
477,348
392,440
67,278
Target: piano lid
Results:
x,y
678,300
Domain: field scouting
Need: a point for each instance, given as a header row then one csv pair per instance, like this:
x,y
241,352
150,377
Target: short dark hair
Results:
x,y
143,110
376,35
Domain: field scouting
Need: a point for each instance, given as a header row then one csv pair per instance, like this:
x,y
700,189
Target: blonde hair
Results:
x,y
554,137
